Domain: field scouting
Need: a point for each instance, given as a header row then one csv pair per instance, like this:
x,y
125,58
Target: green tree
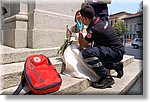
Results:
x,y
120,28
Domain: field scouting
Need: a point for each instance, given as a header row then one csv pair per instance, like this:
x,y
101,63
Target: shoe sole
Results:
x,y
106,86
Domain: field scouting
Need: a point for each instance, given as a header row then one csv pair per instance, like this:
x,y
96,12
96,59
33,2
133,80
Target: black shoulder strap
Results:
x,y
29,93
21,85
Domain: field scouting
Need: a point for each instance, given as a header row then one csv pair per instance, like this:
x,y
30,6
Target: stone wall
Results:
x,y
38,24
15,24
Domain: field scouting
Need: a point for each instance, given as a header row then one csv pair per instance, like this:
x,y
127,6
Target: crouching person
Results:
x,y
107,46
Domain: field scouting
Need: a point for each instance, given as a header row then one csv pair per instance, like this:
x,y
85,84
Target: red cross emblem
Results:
x,y
89,35
37,59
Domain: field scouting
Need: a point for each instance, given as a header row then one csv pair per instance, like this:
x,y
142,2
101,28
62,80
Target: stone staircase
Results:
x,y
12,64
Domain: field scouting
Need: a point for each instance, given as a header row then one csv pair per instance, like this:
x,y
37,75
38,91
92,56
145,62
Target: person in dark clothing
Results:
x,y
101,10
107,47
4,10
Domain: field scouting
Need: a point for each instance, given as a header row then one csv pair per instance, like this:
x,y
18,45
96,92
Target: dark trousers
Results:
x,y
105,55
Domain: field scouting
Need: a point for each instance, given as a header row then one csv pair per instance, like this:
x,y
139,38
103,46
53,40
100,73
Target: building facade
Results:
x,y
36,24
118,16
134,23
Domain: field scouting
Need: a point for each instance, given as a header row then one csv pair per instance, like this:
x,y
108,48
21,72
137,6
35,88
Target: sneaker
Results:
x,y
104,83
118,67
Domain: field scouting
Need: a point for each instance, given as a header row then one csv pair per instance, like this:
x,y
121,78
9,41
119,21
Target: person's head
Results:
x,y
87,13
78,16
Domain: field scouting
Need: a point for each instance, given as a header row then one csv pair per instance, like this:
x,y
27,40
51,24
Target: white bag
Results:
x,y
75,66
98,1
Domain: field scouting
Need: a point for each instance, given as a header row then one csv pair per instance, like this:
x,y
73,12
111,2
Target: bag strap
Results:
x,y
29,93
21,85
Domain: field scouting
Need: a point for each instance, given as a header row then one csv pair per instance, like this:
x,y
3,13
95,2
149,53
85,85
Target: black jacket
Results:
x,y
102,34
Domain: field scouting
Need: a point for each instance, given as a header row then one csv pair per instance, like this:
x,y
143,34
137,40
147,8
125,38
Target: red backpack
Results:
x,y
40,75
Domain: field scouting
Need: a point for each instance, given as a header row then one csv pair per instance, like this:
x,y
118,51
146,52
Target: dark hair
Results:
x,y
87,11
76,15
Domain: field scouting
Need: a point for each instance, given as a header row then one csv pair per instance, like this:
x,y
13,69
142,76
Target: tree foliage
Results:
x,y
120,28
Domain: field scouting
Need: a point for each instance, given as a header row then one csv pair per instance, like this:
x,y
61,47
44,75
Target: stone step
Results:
x,y
69,86
132,73
73,86
10,73
12,55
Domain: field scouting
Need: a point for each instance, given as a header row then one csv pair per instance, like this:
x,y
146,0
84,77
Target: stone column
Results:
x,y
48,20
15,24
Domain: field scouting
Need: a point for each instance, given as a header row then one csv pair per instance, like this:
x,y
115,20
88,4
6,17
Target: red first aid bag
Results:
x,y
40,75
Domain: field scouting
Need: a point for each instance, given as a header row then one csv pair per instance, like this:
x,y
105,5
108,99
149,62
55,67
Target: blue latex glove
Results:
x,y
79,25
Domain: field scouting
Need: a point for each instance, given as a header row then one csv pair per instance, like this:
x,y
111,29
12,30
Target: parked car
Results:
x,y
137,42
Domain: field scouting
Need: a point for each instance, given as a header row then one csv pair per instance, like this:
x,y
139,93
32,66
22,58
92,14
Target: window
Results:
x,y
130,27
135,27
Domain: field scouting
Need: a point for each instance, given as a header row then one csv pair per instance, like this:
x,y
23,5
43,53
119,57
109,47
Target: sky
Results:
x,y
130,6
